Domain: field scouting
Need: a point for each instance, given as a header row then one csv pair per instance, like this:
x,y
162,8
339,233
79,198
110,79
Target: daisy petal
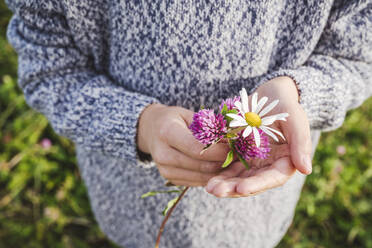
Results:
x,y
268,108
268,132
247,131
235,123
238,105
268,120
236,117
257,137
282,116
276,131
261,103
254,102
244,98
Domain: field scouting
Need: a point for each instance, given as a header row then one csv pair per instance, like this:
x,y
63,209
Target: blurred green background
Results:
x,y
43,201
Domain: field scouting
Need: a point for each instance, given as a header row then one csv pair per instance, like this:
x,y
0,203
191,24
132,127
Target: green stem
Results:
x,y
231,145
161,229
242,160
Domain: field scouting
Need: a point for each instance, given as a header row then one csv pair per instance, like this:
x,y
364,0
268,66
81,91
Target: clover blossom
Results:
x,y
207,127
247,148
230,103
46,143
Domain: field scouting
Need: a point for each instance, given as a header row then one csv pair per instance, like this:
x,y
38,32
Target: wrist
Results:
x,y
282,87
291,86
144,126
293,82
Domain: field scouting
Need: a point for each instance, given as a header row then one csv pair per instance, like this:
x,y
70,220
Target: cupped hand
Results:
x,y
285,157
164,133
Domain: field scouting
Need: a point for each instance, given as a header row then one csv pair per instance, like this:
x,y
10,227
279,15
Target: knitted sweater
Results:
x,y
91,67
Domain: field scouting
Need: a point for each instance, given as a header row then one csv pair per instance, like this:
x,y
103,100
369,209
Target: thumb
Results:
x,y
187,115
297,130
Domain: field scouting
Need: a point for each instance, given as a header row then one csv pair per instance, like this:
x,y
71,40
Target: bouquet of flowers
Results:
x,y
243,126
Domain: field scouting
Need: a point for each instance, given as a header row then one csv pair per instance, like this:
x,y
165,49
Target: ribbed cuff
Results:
x,y
121,139
318,96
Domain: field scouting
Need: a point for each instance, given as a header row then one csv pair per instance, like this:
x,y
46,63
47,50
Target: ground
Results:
x,y
43,201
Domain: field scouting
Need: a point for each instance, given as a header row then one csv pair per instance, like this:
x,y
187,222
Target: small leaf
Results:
x,y
169,205
152,193
229,159
236,130
230,135
232,111
224,109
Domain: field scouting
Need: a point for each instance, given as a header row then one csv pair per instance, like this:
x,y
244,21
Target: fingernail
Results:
x,y
307,162
212,184
224,189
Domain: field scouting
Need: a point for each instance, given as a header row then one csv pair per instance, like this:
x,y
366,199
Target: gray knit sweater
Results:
x,y
92,66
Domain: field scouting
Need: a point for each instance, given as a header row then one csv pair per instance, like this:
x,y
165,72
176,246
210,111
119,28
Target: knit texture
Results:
x,y
91,67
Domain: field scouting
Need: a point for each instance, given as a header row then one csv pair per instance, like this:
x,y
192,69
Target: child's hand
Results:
x,y
285,158
163,132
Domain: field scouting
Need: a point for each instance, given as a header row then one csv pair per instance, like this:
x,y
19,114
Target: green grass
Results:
x,y
43,201
335,209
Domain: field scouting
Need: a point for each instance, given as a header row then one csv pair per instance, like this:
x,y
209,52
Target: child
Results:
x,y
108,75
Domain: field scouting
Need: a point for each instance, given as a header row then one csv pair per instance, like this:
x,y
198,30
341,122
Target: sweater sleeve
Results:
x,y
60,81
338,75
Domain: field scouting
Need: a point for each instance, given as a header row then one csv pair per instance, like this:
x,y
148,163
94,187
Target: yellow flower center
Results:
x,y
253,119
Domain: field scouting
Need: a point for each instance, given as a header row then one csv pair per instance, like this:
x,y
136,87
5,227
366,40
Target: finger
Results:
x,y
297,130
188,183
226,188
180,160
224,185
180,137
239,196
276,152
270,177
187,115
259,180
232,171
173,173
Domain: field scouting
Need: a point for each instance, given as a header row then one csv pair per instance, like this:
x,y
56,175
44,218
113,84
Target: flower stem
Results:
x,y
161,229
242,160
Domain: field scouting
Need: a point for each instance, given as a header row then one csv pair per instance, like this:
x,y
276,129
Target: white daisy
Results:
x,y
254,119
